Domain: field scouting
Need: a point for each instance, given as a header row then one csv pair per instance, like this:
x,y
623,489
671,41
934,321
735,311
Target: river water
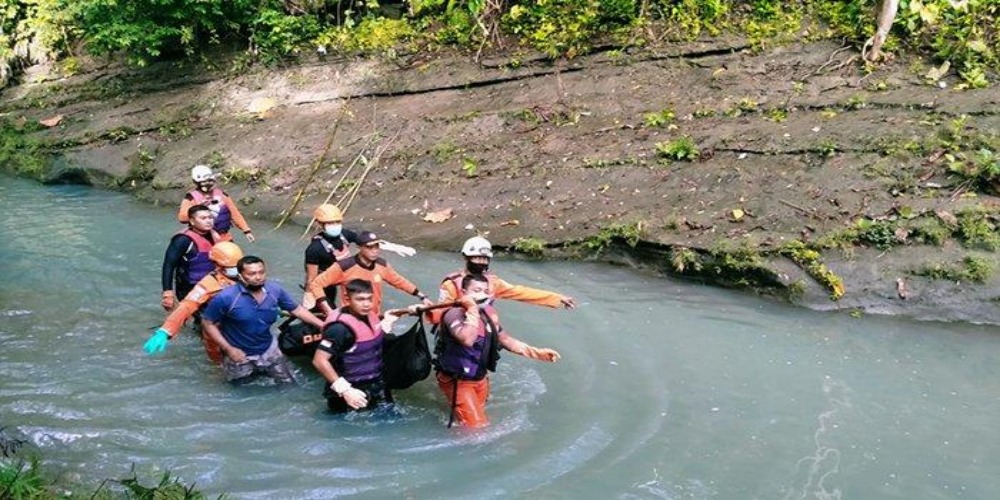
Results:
x,y
665,389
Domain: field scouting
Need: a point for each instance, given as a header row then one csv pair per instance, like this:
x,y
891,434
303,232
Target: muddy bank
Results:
x,y
701,160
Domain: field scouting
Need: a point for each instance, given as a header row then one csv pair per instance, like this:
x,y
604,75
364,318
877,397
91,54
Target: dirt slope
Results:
x,y
794,143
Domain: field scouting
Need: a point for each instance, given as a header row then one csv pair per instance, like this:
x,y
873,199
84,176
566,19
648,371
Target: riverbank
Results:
x,y
792,171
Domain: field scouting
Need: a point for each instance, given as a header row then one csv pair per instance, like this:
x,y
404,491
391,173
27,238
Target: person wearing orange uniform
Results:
x,y
365,265
477,252
222,206
225,255
467,349
332,243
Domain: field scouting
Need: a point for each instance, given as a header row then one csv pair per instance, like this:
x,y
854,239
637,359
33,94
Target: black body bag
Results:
x,y
406,358
296,338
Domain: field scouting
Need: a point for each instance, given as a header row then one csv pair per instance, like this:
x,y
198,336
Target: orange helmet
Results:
x,y
328,213
225,254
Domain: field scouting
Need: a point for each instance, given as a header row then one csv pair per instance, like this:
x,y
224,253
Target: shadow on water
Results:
x,y
665,390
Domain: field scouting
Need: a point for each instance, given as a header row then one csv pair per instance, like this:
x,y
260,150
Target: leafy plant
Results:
x,y
659,118
681,149
469,166
531,246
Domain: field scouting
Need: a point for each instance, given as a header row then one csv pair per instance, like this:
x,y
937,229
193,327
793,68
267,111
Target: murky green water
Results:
x,y
666,389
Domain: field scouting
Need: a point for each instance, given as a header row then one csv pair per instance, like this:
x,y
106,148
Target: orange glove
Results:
x,y
168,300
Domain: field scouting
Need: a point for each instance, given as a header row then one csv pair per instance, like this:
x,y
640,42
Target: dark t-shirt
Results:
x,y
317,255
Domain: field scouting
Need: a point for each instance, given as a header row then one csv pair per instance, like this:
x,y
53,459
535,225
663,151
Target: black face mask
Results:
x,y
253,288
474,268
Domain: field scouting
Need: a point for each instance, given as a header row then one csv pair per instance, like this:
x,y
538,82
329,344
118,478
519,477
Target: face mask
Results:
x,y
253,288
231,272
205,186
474,268
480,297
333,230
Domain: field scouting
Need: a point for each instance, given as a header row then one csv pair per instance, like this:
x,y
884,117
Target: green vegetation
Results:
x,y
809,260
966,33
680,149
684,259
658,119
22,480
470,166
530,246
974,269
19,153
977,230
629,233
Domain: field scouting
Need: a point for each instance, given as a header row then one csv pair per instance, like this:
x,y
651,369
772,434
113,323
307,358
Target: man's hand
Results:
x,y
541,354
236,354
168,300
388,321
568,302
250,237
308,301
355,398
468,302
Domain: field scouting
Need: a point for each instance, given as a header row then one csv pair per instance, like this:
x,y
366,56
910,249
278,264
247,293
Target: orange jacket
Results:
x,y
202,292
351,268
238,220
451,291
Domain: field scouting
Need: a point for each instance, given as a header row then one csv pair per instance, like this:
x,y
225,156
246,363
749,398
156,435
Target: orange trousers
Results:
x,y
212,349
468,399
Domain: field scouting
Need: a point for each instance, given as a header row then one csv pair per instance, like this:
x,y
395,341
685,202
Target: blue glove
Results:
x,y
158,342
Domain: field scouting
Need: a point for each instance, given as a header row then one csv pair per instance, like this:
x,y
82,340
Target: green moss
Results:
x,y
530,246
809,260
629,233
972,269
683,259
929,230
976,229
21,154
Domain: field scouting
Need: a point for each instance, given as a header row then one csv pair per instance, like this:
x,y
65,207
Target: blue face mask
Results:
x,y
333,230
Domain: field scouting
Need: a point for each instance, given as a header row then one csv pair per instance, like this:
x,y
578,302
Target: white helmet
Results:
x,y
477,246
202,173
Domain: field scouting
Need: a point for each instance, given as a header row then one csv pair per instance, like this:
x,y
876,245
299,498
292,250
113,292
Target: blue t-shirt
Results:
x,y
244,323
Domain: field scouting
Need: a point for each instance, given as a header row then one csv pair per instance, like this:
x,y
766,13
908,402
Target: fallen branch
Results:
x,y
357,187
340,182
795,207
316,166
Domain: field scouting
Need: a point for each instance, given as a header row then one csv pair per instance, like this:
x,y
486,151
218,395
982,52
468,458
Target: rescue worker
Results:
x,y
332,243
239,320
350,355
186,260
222,206
225,255
366,265
467,349
477,252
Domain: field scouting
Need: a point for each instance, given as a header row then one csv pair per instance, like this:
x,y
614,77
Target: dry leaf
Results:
x,y
935,74
52,122
260,105
738,215
947,217
439,215
512,222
